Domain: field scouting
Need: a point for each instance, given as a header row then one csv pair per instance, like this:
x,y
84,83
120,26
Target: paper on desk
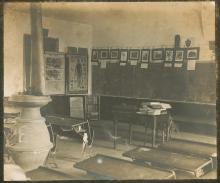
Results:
x,y
165,106
191,65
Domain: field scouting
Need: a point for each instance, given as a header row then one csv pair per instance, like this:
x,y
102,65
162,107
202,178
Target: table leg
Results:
x,y
154,131
130,132
145,132
168,128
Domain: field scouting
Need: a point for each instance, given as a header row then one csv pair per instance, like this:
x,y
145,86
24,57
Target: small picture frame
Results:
x,y
95,55
114,54
179,54
192,53
104,54
145,55
169,55
123,55
157,55
134,54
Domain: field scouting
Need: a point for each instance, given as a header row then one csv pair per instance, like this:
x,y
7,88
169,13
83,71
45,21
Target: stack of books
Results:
x,y
154,108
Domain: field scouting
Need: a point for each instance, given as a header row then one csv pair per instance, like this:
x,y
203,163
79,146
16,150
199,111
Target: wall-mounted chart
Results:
x,y
77,75
54,73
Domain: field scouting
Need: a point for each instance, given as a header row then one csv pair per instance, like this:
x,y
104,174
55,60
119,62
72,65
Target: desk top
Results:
x,y
65,121
152,113
170,159
115,168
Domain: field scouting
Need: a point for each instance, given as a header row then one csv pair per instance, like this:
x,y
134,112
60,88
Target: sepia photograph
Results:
x,y
110,91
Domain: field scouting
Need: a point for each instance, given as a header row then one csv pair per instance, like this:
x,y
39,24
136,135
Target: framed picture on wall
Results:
x,y
157,55
169,55
114,53
104,53
123,55
192,53
95,55
77,107
134,54
54,73
77,74
179,54
145,55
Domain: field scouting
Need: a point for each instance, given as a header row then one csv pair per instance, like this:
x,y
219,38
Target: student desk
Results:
x,y
110,168
195,165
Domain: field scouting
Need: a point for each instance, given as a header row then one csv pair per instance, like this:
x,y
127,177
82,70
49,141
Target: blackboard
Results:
x,y
157,82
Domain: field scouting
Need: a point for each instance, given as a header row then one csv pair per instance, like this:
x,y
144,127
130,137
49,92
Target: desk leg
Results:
x,y
145,132
168,128
130,132
154,131
115,133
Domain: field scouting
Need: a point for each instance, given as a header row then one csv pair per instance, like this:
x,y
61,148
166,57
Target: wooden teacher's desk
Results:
x,y
155,120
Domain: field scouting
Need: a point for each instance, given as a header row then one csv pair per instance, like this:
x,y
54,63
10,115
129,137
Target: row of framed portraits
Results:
x,y
147,55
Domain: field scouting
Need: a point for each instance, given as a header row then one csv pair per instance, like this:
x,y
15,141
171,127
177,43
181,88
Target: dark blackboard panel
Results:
x,y
98,80
112,78
127,74
157,82
202,83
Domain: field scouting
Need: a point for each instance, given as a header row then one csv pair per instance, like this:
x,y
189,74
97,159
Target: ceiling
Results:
x,y
93,12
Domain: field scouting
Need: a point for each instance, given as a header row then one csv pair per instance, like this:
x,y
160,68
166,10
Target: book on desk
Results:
x,y
154,108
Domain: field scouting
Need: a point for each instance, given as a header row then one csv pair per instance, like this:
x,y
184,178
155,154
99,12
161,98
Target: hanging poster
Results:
x,y
54,73
77,74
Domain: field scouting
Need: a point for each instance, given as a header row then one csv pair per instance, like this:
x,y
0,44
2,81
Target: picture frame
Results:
x,y
192,53
114,54
179,54
104,53
145,55
134,54
54,68
95,55
169,55
77,74
157,55
123,55
77,107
